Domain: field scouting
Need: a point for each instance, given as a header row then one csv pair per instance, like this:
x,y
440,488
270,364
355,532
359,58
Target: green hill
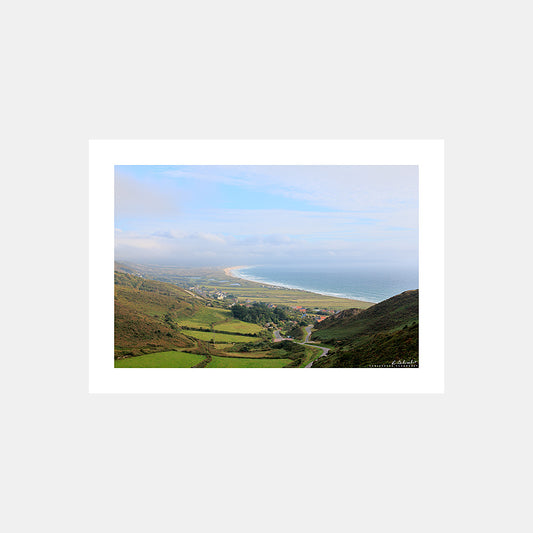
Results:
x,y
385,333
145,315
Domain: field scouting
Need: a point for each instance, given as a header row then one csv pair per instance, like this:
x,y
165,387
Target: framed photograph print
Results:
x,y
266,266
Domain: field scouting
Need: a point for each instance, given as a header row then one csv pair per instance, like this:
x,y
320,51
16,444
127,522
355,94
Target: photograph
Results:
x,y
266,266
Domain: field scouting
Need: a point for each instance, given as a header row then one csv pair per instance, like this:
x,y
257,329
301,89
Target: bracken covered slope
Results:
x,y
145,315
385,334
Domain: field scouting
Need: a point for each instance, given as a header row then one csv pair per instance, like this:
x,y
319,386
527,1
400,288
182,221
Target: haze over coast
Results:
x,y
276,215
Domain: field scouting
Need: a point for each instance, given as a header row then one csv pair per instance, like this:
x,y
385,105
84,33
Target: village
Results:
x,y
228,300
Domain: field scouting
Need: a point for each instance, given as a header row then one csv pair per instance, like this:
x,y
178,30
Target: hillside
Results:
x,y
385,333
146,313
158,324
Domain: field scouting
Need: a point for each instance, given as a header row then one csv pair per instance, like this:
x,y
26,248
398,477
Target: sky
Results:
x,y
267,215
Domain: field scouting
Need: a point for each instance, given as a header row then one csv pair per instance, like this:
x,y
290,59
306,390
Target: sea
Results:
x,y
370,284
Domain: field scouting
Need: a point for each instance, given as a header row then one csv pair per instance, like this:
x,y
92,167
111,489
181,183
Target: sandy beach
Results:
x,y
229,270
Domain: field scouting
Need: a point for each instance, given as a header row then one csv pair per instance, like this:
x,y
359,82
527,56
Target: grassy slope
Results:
x,y
203,317
243,362
384,333
220,319
234,325
140,310
161,360
390,314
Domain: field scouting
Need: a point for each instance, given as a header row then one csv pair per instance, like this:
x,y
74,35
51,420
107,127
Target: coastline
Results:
x,y
225,279
229,272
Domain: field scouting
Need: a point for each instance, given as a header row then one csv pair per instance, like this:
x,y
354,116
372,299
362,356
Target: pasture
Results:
x,y
238,326
205,317
224,338
243,362
217,318
161,360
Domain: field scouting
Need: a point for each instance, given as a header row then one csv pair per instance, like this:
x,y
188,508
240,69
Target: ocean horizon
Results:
x,y
369,284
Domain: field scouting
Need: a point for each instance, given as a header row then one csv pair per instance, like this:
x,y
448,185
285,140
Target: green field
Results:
x,y
220,319
161,360
260,354
224,346
205,317
290,297
238,326
220,337
242,362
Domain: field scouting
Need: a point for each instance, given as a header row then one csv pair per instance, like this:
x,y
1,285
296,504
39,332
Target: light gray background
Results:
x,y
74,71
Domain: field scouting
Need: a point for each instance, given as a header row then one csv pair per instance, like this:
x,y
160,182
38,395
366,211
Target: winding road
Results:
x,y
308,329
278,337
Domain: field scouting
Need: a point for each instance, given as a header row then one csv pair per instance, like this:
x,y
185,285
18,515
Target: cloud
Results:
x,y
345,187
199,248
136,198
177,215
209,237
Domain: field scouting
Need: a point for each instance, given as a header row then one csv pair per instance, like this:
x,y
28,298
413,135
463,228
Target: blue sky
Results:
x,y
236,215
